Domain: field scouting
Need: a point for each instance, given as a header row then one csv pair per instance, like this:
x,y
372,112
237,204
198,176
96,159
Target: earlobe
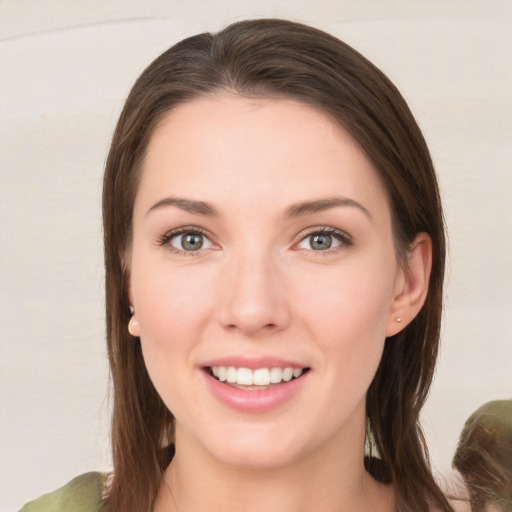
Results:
x,y
133,326
413,285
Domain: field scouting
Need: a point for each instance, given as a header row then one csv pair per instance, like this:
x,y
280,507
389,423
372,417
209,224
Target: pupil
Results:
x,y
321,242
192,242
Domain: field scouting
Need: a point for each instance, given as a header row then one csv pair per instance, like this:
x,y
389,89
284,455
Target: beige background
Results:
x,y
65,68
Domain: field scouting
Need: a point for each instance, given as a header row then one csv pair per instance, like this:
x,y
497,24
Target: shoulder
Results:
x,y
82,494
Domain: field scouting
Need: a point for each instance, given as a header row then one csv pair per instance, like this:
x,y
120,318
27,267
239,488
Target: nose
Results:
x,y
253,299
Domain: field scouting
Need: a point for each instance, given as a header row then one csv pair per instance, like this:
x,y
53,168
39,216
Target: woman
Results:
x,y
274,263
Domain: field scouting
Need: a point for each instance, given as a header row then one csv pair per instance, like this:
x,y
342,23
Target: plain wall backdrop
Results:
x,y
65,70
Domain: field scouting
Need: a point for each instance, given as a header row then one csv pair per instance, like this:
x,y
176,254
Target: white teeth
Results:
x,y
231,374
244,376
276,375
287,374
259,377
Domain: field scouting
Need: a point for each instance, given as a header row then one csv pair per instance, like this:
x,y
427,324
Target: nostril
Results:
x,y
267,327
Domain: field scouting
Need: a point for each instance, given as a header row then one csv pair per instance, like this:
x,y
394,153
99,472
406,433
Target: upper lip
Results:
x,y
253,363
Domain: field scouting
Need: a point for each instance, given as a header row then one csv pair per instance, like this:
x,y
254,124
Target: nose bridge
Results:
x,y
253,297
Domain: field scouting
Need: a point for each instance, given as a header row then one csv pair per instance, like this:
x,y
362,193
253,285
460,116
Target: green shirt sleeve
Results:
x,y
82,494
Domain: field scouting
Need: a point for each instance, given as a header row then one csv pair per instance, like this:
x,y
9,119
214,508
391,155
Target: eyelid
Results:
x,y
165,239
342,236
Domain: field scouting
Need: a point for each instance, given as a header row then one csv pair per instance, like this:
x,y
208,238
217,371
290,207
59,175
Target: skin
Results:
x,y
257,288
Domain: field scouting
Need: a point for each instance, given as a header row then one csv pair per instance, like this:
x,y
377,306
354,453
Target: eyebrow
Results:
x,y
319,205
294,210
188,205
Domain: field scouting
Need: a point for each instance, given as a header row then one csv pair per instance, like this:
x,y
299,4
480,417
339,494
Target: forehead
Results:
x,y
222,148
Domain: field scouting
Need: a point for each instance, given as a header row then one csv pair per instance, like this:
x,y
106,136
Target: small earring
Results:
x,y
398,319
132,310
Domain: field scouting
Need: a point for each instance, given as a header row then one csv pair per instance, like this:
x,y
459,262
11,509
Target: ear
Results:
x,y
411,285
133,326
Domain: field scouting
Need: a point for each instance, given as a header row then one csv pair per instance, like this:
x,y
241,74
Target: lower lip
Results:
x,y
255,400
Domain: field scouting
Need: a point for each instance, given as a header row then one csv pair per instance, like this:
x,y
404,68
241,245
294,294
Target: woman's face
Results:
x,y
262,252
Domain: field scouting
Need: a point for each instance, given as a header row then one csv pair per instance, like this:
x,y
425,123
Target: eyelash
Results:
x,y
342,237
185,230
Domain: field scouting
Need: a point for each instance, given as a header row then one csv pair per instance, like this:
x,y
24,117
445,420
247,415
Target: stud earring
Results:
x,y
131,310
398,319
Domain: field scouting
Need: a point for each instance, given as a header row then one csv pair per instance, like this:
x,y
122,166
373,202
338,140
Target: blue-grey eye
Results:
x,y
190,242
321,241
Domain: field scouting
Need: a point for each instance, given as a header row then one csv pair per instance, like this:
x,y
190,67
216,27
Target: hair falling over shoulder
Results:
x,y
278,59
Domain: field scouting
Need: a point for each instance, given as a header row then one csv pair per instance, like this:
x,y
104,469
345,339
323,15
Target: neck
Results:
x,y
325,480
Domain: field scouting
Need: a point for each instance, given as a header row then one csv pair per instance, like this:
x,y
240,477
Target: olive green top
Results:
x,y
82,494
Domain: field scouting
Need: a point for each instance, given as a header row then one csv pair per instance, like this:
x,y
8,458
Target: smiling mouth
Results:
x,y
258,379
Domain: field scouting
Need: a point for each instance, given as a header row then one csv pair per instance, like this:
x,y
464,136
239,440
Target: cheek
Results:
x,y
349,304
171,309
171,305
345,311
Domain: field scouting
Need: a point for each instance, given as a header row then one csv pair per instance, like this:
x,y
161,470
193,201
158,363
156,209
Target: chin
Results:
x,y
255,452
256,459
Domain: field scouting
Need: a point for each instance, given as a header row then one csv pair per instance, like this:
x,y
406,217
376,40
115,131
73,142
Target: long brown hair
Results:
x,y
274,59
